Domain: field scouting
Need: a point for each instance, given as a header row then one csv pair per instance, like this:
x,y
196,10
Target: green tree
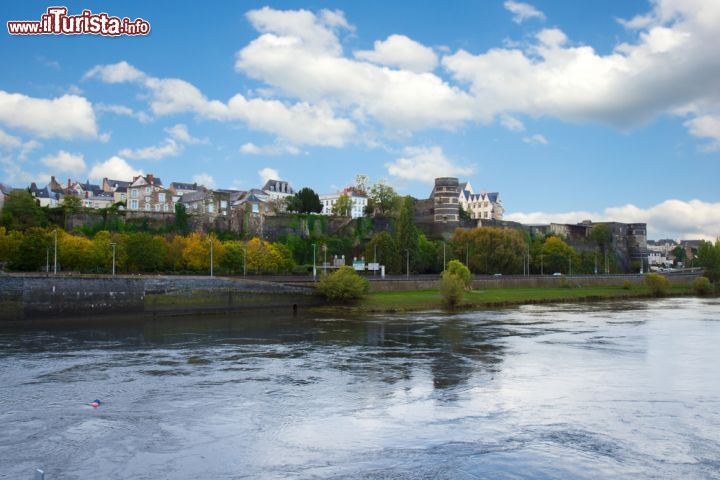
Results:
x,y
181,218
383,199
657,284
679,254
428,257
490,250
558,255
20,211
709,258
343,284
342,206
406,233
305,201
456,268
32,251
452,288
9,245
383,244
233,257
145,253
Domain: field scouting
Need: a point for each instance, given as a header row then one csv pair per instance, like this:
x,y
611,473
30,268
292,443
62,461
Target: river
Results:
x,y
624,389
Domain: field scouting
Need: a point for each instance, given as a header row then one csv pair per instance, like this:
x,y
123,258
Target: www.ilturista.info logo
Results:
x,y
57,22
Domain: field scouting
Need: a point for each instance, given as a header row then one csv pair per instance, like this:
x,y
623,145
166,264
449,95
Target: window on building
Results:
x,y
165,207
161,197
134,193
255,208
223,203
133,204
147,189
122,196
147,207
157,207
211,207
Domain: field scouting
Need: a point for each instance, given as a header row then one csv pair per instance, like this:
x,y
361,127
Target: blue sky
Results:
x,y
571,110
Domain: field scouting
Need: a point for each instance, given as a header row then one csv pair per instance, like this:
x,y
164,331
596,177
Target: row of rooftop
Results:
x,y
148,193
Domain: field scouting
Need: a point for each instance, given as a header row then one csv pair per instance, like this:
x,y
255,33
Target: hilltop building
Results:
x,y
480,206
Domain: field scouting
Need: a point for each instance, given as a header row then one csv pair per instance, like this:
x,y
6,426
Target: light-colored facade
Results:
x,y
147,194
358,202
97,200
480,206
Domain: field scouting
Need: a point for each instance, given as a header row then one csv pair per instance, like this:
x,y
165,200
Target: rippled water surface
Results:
x,y
606,390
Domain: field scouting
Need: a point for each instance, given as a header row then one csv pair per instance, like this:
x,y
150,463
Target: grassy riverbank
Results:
x,y
430,299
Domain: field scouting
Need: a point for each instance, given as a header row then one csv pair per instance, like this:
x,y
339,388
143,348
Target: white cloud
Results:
x,y
511,123
308,63
66,117
424,164
120,72
115,168
268,173
142,117
672,218
274,149
300,123
536,139
671,66
169,148
180,133
9,142
400,51
707,126
204,179
523,11
65,162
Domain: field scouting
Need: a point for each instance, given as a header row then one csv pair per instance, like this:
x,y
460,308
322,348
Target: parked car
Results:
x,y
497,274
557,274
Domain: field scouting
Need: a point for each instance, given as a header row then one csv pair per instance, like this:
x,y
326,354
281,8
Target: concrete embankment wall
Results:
x,y
27,297
520,282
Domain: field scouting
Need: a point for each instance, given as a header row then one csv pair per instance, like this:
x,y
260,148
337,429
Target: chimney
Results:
x,y
68,184
87,194
150,178
52,179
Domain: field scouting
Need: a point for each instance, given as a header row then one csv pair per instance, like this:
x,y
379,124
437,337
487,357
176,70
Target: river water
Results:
x,y
602,390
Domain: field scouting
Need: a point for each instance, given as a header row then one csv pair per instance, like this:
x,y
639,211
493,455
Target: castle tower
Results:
x,y
445,196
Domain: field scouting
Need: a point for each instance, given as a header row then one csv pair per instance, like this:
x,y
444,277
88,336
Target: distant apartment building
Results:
x,y
146,193
110,185
207,202
178,189
358,202
45,197
277,189
480,206
98,199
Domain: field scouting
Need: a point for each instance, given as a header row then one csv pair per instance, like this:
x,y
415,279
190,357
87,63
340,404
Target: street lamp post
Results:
x,y
595,262
55,255
541,265
444,262
113,263
407,266
245,259
569,265
47,259
211,258
314,245
374,257
324,258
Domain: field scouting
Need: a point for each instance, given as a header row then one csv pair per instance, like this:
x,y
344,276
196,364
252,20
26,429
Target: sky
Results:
x,y
602,110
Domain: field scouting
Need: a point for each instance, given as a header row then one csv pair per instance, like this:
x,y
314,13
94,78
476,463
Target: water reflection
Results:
x,y
574,391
